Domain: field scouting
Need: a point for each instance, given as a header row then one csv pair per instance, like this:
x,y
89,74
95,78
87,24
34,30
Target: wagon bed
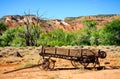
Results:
x,y
66,53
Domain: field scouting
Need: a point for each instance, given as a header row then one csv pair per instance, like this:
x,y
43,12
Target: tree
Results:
x,y
32,31
3,27
90,36
110,34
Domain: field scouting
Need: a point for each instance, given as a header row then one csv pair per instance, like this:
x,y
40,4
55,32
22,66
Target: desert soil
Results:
x,y
8,72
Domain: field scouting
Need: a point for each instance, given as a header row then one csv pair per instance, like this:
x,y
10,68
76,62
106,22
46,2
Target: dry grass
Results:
x,y
56,76
10,60
31,56
30,60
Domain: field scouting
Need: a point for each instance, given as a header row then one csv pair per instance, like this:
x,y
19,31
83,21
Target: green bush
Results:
x,y
110,34
3,27
18,42
95,38
7,37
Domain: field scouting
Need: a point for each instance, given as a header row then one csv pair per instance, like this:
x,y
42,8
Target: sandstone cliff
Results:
x,y
69,23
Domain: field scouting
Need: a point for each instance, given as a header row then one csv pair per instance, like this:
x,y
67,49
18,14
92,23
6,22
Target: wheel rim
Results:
x,y
52,64
85,64
76,64
46,64
102,54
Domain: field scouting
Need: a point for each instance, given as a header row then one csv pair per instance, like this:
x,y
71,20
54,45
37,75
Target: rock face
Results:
x,y
100,19
48,25
69,23
17,20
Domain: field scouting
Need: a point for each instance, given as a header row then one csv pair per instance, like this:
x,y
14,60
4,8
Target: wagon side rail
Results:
x,y
69,54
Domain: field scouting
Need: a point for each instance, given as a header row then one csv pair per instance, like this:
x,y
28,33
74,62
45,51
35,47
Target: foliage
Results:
x,y
90,24
32,35
7,37
110,34
57,37
81,37
3,27
94,38
19,37
91,35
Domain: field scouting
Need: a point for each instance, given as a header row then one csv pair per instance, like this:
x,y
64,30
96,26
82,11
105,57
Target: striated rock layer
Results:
x,y
69,23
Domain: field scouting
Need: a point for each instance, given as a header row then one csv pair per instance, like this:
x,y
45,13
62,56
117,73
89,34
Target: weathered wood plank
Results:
x,y
75,52
50,50
89,52
62,51
70,52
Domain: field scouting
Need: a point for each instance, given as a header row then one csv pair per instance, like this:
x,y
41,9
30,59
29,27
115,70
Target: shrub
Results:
x,y
110,34
3,27
7,37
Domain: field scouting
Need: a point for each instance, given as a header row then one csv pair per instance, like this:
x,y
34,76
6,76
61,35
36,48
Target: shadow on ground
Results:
x,y
21,69
88,68
113,67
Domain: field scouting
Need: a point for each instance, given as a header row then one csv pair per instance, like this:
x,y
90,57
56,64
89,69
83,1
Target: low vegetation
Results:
x,y
32,35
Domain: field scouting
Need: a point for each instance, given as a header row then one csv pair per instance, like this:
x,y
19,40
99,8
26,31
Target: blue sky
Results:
x,y
59,9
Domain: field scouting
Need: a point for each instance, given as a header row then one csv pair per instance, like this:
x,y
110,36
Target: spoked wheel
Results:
x,y
102,54
46,64
76,64
76,60
87,60
52,64
84,62
96,62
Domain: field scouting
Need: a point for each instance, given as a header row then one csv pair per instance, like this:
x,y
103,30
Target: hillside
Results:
x,y
69,23
100,19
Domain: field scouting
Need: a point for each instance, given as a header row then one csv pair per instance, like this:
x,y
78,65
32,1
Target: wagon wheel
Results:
x,y
52,64
94,62
84,62
43,63
46,64
76,60
76,64
102,54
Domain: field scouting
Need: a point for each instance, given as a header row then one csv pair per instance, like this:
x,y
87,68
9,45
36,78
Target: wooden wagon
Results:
x,y
77,56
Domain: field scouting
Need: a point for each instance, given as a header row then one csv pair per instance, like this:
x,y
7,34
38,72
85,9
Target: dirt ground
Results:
x,y
63,69
9,72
